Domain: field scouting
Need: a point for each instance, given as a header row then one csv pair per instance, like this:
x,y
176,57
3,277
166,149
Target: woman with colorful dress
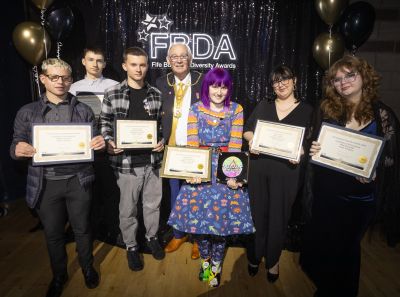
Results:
x,y
211,211
343,205
273,182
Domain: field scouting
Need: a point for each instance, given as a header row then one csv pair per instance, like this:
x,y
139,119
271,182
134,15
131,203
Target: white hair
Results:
x,y
56,63
179,43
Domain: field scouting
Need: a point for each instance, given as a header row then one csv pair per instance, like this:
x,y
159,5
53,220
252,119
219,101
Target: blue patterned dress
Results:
x,y
213,208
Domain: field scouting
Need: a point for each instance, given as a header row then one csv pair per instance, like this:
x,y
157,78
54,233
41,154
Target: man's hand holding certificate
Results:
x,y
132,134
64,143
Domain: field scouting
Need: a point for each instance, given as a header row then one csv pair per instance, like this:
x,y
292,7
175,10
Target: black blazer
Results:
x,y
168,96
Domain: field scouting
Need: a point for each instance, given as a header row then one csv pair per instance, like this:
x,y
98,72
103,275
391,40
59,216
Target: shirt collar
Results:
x,y
95,81
185,81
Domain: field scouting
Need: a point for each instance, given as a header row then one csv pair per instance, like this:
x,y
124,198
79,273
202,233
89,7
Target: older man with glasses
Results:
x,y
180,89
61,191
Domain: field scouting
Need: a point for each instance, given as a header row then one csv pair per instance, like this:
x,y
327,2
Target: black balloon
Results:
x,y
356,24
59,22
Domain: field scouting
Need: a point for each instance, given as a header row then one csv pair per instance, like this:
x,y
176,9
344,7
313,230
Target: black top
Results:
x,y
266,111
136,106
137,112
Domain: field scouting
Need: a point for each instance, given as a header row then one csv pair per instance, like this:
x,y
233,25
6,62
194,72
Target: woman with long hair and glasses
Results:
x,y
273,182
344,206
211,211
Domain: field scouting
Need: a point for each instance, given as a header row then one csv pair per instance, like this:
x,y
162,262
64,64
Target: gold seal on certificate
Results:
x,y
93,100
348,151
64,143
186,162
279,140
132,134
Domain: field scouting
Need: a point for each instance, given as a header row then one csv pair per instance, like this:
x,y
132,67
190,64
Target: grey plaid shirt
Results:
x,y
116,106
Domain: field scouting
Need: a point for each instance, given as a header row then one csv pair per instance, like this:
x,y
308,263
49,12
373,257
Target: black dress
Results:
x,y
273,185
342,210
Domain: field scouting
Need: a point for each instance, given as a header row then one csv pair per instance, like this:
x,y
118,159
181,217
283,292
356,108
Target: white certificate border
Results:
x,y
298,129
90,158
117,124
169,150
379,144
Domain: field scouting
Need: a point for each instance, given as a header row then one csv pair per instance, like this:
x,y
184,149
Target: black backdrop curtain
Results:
x,y
263,34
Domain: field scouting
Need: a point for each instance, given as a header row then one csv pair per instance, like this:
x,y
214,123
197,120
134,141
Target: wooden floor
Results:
x,y
25,271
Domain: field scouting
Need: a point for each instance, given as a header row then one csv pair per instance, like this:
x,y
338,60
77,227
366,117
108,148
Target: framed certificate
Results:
x,y
131,134
61,143
233,165
348,151
278,140
93,100
186,162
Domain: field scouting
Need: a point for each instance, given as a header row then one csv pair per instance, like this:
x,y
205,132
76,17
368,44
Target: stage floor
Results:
x,y
25,271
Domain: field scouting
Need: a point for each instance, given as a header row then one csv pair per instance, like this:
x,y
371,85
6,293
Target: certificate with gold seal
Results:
x,y
278,140
186,162
61,143
134,134
348,151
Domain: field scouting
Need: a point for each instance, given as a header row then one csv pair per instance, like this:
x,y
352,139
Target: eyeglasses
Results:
x,y
64,78
349,77
176,58
284,82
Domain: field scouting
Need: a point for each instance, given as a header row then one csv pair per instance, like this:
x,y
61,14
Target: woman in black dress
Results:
x,y
273,182
344,206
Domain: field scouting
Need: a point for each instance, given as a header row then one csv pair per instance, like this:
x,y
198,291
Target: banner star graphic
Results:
x,y
150,22
143,35
164,23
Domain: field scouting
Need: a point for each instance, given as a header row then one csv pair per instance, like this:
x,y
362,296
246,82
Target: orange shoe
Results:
x,y
195,251
174,244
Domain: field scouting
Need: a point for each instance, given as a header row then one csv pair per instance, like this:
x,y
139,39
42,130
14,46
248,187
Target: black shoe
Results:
x,y
252,269
134,261
91,277
272,277
56,286
156,250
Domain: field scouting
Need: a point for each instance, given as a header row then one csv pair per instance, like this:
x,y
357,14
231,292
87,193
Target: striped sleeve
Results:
x,y
235,141
192,130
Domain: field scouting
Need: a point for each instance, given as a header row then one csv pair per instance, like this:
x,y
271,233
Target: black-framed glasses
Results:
x,y
284,82
64,78
348,77
176,57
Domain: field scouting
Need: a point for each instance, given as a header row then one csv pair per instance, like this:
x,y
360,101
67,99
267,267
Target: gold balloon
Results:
x,y
327,50
31,41
330,10
42,4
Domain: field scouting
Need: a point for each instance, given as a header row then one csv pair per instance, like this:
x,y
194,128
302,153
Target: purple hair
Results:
x,y
216,76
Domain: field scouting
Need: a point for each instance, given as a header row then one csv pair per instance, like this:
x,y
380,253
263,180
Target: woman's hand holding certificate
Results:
x,y
347,151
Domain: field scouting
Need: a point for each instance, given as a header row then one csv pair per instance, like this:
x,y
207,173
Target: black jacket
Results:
x,y
168,97
34,113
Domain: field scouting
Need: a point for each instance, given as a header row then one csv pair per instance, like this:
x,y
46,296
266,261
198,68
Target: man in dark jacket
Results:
x,y
180,89
60,191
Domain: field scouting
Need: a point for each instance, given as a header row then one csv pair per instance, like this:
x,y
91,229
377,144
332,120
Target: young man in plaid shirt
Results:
x,y
136,170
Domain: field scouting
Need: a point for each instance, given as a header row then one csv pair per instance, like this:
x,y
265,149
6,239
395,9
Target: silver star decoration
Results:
x,y
164,23
143,35
150,22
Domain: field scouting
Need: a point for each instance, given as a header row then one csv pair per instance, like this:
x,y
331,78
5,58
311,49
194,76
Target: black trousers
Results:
x,y
63,200
331,252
